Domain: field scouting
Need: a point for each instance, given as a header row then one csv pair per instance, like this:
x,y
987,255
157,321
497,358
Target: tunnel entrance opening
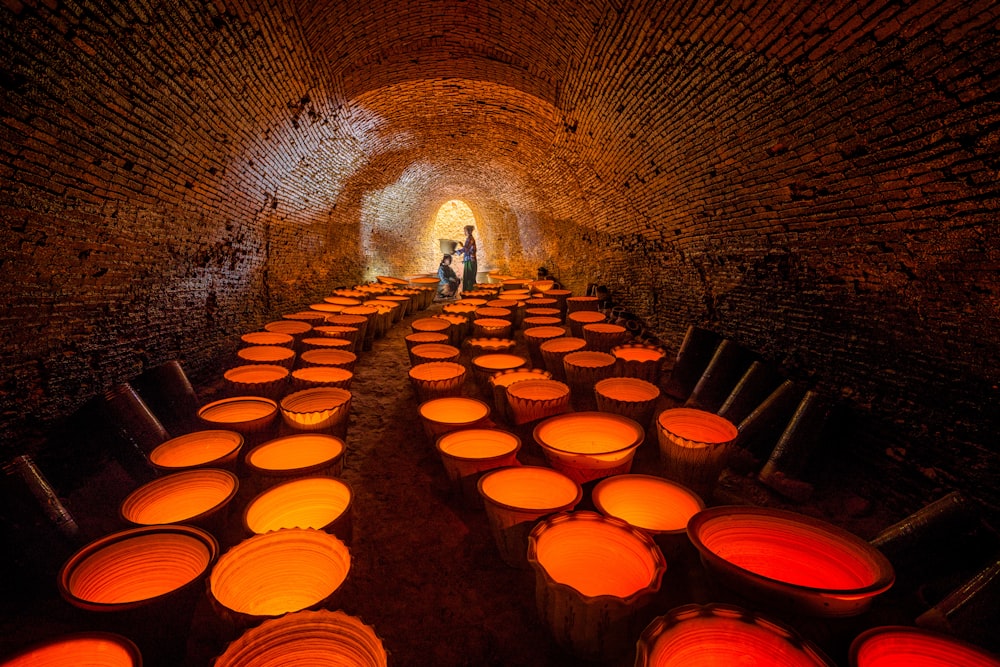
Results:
x,y
449,224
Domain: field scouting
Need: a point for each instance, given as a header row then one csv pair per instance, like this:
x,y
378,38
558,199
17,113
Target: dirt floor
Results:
x,y
425,571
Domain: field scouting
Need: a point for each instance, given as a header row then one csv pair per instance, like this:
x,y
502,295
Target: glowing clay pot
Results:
x,y
490,312
490,327
694,446
468,453
533,399
428,352
553,351
443,415
83,649
628,397
561,296
341,331
499,382
213,448
267,338
536,335
584,369
422,337
370,331
278,572
902,646
253,417
576,320
637,360
535,309
257,380
326,343
516,498
438,379
589,445
402,305
355,322
603,336
716,634
486,366
792,562
200,497
318,409
272,355
395,308
654,505
594,576
535,321
143,583
293,456
323,503
581,303
430,324
310,317
316,638
541,286
460,328
293,328
321,376
478,346
470,300
339,358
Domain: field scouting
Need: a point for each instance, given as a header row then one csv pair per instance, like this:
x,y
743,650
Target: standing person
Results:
x,y
447,279
470,266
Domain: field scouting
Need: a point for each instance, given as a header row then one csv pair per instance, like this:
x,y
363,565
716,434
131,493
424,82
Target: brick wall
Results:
x,y
817,182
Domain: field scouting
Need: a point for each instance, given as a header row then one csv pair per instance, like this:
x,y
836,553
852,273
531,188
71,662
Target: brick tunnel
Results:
x,y
811,188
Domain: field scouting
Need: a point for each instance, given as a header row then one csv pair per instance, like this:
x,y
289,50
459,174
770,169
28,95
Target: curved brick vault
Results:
x,y
816,181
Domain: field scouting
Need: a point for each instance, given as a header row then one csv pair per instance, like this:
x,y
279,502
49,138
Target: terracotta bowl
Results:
x,y
589,445
274,355
317,409
904,646
81,649
257,380
255,338
443,415
251,416
323,503
212,448
190,496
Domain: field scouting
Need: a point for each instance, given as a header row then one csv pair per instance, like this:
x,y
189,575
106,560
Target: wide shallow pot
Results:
x,y
323,503
253,417
421,337
438,379
903,646
268,380
589,445
789,561
293,328
577,320
452,413
480,346
499,382
581,303
628,397
294,456
82,649
321,376
657,506
312,317
318,409
491,327
534,399
327,343
637,360
430,325
717,634
586,368
278,572
339,358
487,365
535,336
211,448
427,352
553,351
272,355
468,453
594,576
516,498
602,336
200,497
341,331
694,446
267,338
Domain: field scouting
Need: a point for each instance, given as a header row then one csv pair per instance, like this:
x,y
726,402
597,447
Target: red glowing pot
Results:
x,y
594,575
628,397
267,338
214,448
602,336
339,358
200,497
487,365
84,649
321,376
534,399
316,638
490,327
553,351
900,646
578,319
294,456
468,453
293,328
427,352
252,417
694,446
257,380
274,355
318,409
589,445
790,561
437,379
443,415
499,382
639,361
654,505
536,335
706,636
323,503
430,324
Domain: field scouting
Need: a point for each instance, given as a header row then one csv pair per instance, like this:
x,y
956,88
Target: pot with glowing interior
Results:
x,y
421,337
143,583
272,355
468,453
293,328
428,352
257,380
576,321
904,646
553,351
654,505
718,634
490,327
452,413
355,322
534,399
487,365
516,498
594,577
275,573
584,369
212,448
789,561
82,649
535,336
589,445
326,343
430,325
478,346
321,376
602,336
294,456
438,379
576,304
694,445
499,382
255,338
253,417
324,409
323,503
637,360
341,331
199,497
339,358
628,397
320,638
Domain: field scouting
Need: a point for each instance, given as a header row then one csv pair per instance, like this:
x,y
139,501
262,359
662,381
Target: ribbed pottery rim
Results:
x,y
581,358
507,377
556,345
548,421
717,421
332,357
276,352
557,389
210,407
485,409
421,372
122,642
340,396
176,476
283,440
277,373
181,440
306,478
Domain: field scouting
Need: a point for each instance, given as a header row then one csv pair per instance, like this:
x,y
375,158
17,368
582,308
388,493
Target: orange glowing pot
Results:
x,y
200,497
321,376
267,338
355,322
602,336
339,358
293,328
694,446
427,352
421,337
83,649
443,415
430,324
640,361
902,646
393,309
310,317
318,409
581,303
535,309
344,301
584,369
468,453
460,328
717,634
276,573
790,561
326,308
369,313
535,321
553,351
326,343
323,503
654,505
628,397
499,382
534,399
257,380
490,327
293,456
576,320
316,638
541,286
341,331
214,448
491,312
589,445
478,346
437,379
272,355
485,366
253,417
594,576
466,298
